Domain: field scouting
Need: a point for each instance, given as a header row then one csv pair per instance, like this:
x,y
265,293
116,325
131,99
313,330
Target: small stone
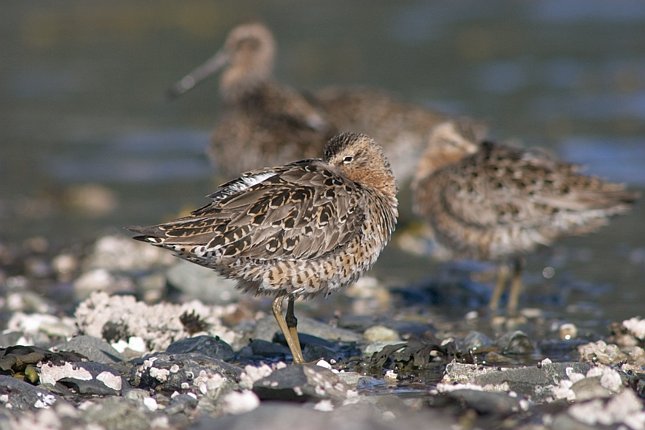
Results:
x,y
93,348
240,402
568,331
210,346
515,343
300,384
381,333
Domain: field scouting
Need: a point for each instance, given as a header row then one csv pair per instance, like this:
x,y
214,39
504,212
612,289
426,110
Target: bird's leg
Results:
x,y
500,286
282,323
516,285
292,324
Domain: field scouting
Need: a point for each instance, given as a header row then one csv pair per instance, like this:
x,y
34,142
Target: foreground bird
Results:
x,y
296,231
271,123
487,201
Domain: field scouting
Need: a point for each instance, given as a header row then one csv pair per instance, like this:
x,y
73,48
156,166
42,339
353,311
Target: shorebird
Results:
x,y
488,201
299,230
265,122
261,121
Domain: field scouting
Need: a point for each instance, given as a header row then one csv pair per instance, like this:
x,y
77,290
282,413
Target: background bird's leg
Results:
x,y
292,324
282,323
516,285
500,286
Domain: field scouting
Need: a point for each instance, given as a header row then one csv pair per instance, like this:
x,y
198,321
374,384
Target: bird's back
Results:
x,y
502,201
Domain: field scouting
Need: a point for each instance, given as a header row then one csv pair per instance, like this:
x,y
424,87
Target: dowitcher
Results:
x,y
264,122
488,201
295,231
261,121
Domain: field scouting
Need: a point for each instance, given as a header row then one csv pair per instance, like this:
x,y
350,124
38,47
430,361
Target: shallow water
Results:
x,y
81,98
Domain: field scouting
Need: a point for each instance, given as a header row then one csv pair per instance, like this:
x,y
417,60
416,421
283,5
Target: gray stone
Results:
x,y
116,413
182,372
210,346
475,340
301,383
515,343
93,348
484,402
83,377
530,381
590,388
281,416
24,396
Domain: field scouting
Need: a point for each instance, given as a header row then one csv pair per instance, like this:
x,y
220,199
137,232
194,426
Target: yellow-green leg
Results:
x,y
294,345
292,324
500,286
516,286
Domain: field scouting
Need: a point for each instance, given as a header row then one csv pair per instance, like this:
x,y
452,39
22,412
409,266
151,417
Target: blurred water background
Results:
x,y
89,144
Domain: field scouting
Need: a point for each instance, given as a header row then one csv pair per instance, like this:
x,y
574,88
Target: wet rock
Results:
x,y
181,403
258,350
194,373
22,361
158,325
16,394
483,402
203,284
300,384
515,343
93,348
475,341
412,357
83,377
210,346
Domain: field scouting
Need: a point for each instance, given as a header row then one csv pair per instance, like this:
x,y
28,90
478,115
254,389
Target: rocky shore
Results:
x,y
117,334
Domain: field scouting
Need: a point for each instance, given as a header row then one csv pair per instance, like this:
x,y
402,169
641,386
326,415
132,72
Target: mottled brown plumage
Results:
x,y
298,230
488,201
263,122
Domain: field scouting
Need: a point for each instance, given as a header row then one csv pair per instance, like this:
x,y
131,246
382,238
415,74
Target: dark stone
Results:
x,y
181,403
300,383
104,380
315,348
93,348
188,367
485,403
210,346
515,343
24,396
261,350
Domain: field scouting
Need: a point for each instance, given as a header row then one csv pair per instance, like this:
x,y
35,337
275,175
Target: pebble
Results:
x,y
381,333
93,348
210,346
301,383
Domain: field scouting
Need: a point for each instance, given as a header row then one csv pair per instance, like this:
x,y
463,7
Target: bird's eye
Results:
x,y
348,159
